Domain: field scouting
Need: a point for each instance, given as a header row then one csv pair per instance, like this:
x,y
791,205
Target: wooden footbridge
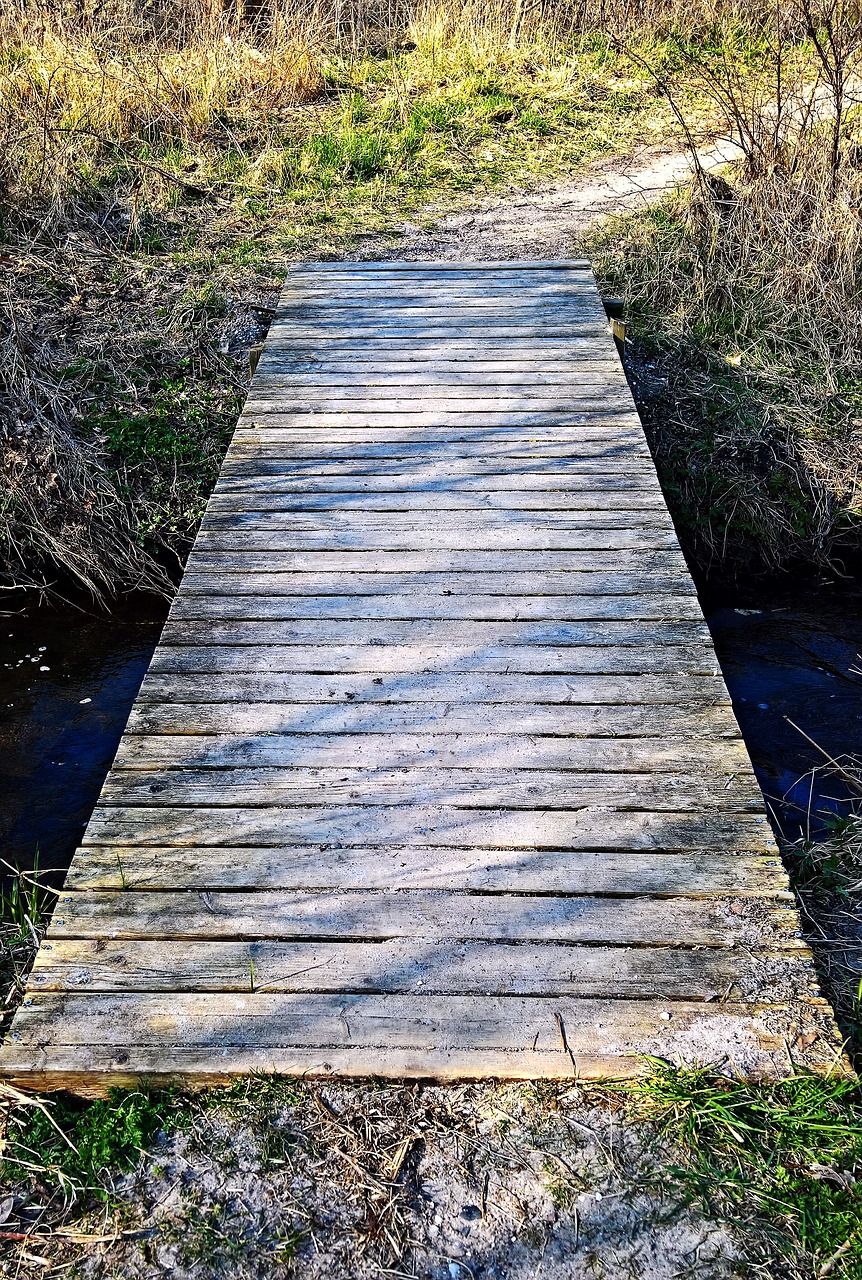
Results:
x,y
434,772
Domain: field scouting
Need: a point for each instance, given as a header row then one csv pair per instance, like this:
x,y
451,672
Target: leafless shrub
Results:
x,y
745,292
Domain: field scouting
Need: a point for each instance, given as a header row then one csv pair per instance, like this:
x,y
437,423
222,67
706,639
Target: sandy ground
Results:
x,y
477,1182
547,222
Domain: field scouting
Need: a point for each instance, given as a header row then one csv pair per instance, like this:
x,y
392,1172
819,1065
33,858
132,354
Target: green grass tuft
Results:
x,y
81,1142
781,1158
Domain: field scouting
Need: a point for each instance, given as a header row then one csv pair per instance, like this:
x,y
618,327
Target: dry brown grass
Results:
x,y
746,307
156,162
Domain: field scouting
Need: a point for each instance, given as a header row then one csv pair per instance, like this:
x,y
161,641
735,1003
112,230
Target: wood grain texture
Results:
x,y
557,871
417,687
434,772
384,658
413,913
432,968
280,608
209,1039
599,734
433,633
481,787
427,825
441,561
382,745
518,588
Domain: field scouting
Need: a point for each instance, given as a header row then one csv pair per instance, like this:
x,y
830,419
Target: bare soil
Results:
x,y
545,223
477,1182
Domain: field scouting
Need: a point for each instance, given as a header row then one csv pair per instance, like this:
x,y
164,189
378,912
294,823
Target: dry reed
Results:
x,y
744,296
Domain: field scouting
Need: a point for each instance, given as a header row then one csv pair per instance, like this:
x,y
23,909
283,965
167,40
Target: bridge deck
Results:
x,y
434,771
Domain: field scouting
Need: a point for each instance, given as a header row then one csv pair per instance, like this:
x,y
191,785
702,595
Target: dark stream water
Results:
x,y
791,653
67,683
68,680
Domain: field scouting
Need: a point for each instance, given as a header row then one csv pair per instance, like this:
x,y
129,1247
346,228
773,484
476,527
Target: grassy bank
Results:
x,y
159,172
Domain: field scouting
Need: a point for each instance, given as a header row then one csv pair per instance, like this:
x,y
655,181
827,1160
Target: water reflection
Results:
x,y
788,649
67,683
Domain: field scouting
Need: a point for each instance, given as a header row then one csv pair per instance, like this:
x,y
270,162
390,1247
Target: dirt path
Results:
x,y
473,1182
544,223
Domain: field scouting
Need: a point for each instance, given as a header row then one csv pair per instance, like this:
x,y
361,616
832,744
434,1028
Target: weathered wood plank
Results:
x,y
600,400
399,1035
586,441
508,319
520,587
427,329
274,497
407,445
192,607
604,534
415,913
519,270
468,786
449,748
345,361
465,417
390,378
415,661
429,633
140,1067
104,1070
619,559
444,444
497,478
266,1019
434,687
702,726
513,352
558,871
427,825
597,466
491,473
429,968
345,287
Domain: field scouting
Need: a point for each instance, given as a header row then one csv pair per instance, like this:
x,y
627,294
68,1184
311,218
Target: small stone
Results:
x,y
471,1212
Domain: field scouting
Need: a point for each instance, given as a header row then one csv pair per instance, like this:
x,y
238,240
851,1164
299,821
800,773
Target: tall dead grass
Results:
x,y
82,80
746,298
114,114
